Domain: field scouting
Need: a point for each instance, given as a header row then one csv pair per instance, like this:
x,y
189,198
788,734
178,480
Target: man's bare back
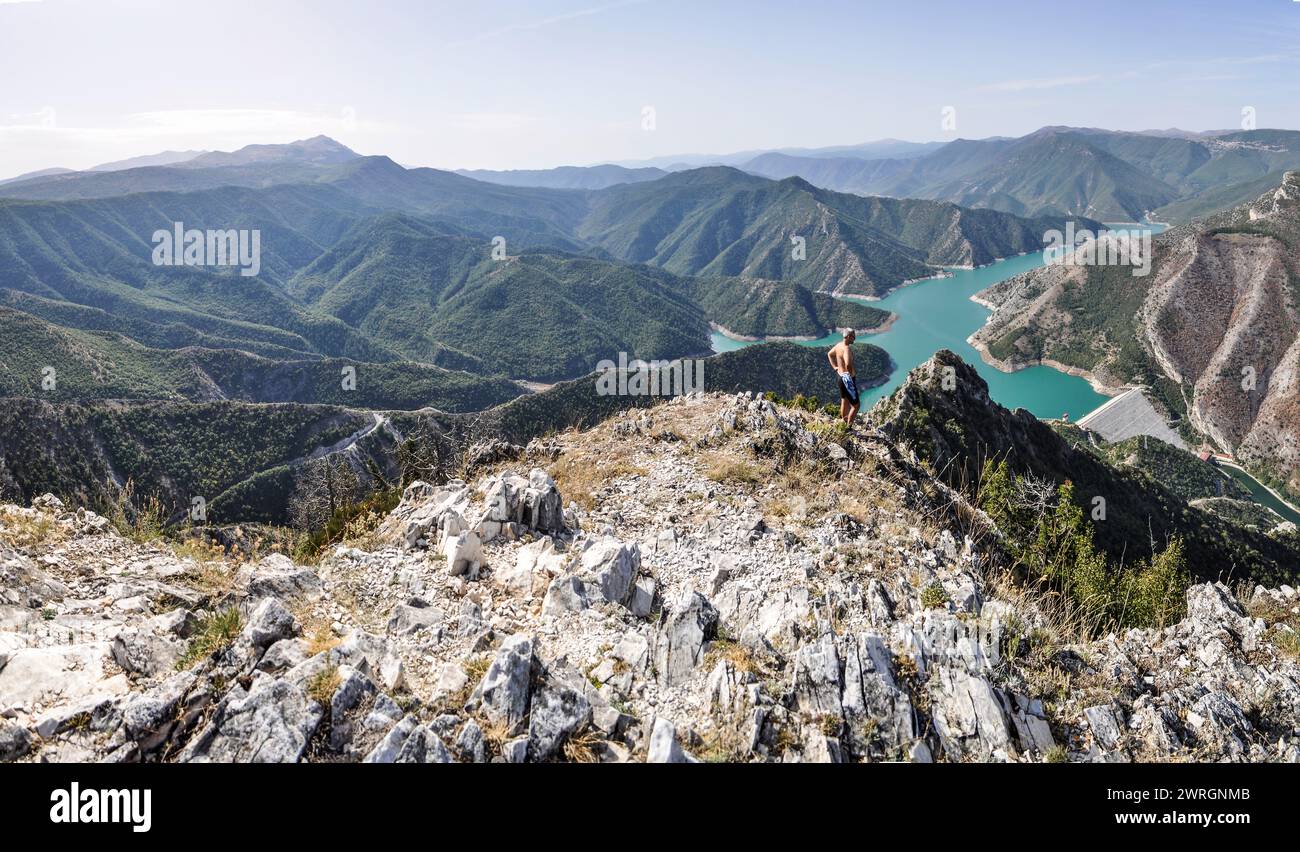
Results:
x,y
841,358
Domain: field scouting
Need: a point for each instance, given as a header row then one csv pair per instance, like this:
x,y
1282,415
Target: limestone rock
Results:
x,y
558,711
565,594
505,689
15,742
664,747
463,553
612,567
41,677
680,644
144,653
277,577
269,623
271,724
968,716
817,679
413,617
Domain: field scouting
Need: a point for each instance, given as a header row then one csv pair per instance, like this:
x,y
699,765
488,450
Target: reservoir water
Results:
x,y
938,314
1261,494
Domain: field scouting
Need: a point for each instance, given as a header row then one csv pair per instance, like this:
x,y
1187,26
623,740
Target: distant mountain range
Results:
x,y
1172,175
364,260
609,174
566,177
879,149
165,158
1107,175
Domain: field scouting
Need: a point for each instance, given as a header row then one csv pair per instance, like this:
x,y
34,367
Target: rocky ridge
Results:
x,y
714,578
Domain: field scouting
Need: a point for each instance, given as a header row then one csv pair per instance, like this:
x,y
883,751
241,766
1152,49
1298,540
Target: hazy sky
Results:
x,y
535,84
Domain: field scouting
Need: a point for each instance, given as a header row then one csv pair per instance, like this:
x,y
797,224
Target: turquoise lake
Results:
x,y
938,314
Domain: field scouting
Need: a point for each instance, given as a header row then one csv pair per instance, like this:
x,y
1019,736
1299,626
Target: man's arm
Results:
x,y
831,356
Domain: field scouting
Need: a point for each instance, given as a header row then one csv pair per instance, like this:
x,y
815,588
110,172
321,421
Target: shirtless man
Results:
x,y
841,358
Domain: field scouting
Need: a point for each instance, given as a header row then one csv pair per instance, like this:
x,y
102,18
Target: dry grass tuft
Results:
x,y
741,657
323,685
317,630
724,468
583,748
212,574
580,477
216,633
723,743
20,529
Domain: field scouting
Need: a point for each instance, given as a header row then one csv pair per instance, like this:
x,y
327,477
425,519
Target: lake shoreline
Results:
x,y
798,338
934,313
948,272
1008,367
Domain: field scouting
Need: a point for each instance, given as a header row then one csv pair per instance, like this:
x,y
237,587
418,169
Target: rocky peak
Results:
x,y
943,411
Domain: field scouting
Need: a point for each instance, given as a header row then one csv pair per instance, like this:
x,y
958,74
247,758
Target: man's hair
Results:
x,y
849,334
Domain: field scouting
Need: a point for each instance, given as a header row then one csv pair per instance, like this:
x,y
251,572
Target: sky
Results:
x,y
508,84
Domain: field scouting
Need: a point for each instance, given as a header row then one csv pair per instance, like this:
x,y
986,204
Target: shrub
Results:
x,y
934,597
349,521
139,519
1050,538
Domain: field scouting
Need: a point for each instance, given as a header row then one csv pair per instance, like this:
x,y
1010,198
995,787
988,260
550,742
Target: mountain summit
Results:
x,y
318,150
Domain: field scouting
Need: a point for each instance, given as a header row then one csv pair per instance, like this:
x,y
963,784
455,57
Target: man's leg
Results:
x,y
853,414
844,410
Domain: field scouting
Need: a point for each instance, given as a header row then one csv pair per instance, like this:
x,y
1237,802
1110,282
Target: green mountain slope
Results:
x,y
98,254
758,307
537,315
103,365
721,222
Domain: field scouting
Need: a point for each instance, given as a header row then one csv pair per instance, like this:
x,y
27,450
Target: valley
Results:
x,y
938,314
372,495
411,299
